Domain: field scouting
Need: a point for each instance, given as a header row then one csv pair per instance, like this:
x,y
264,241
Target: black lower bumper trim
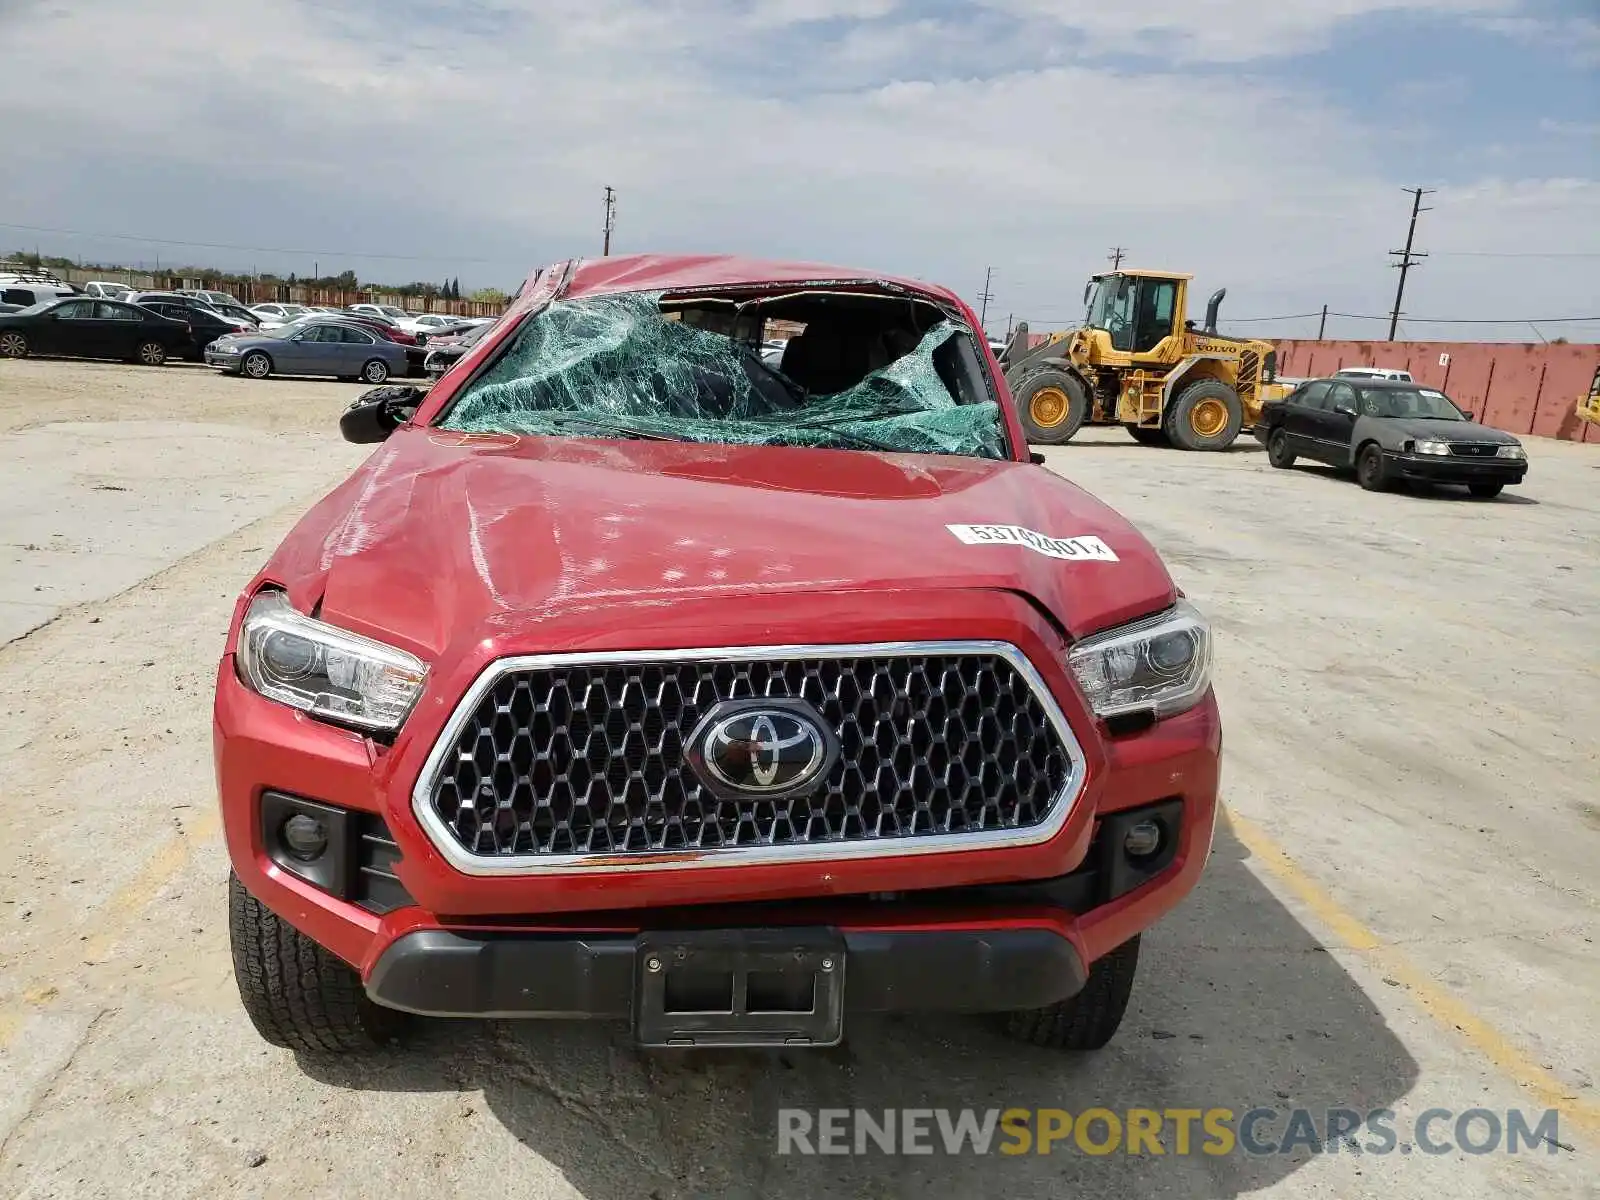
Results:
x,y
1461,470
439,973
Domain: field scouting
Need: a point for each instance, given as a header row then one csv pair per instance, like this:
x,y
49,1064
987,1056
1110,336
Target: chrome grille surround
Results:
x,y
447,753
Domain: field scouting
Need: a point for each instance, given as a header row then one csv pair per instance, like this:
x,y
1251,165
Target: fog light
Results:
x,y
1143,840
305,837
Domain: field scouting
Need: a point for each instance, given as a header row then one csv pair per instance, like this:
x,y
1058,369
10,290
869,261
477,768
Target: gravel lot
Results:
x,y
1401,911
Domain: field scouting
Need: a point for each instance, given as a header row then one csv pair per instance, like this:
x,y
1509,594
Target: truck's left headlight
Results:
x,y
1161,664
324,670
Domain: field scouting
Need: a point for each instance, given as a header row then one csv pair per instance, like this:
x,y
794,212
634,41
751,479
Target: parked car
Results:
x,y
431,697
11,308
273,315
1374,373
215,299
104,290
27,288
391,311
184,299
378,319
1389,431
434,324
320,346
385,329
81,327
445,351
238,312
206,325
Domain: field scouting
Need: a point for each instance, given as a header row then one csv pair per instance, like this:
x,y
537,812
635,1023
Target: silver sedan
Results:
x,y
342,349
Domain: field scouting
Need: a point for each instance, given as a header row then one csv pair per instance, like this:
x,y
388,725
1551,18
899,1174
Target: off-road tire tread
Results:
x,y
1088,1020
1176,420
1079,402
297,994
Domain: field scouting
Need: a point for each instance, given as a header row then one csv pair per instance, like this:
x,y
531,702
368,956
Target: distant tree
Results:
x,y
488,296
455,288
347,280
291,279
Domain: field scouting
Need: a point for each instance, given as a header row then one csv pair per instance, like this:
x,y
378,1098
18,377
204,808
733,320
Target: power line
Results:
x,y
127,237
1115,257
611,220
1406,257
1516,254
1420,320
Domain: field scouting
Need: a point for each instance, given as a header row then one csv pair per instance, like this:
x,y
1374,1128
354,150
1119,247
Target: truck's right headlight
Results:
x,y
1160,664
324,670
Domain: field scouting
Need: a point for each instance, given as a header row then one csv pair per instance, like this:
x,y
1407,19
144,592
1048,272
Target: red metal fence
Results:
x,y
1513,386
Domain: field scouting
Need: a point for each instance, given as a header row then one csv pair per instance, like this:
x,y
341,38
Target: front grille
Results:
x,y
1475,449
589,759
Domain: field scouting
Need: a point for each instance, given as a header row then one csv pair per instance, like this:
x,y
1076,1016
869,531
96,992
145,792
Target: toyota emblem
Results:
x,y
761,748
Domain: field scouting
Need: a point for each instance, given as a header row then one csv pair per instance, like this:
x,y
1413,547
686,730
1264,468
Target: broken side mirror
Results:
x,y
378,413
1036,458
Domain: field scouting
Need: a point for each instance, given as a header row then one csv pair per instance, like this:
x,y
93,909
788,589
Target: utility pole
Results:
x,y
1406,257
985,296
1323,325
611,220
1115,257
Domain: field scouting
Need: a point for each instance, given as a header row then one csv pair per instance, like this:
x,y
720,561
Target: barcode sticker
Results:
x,y
1078,549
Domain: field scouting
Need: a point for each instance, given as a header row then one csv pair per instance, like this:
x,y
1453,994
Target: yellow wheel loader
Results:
x,y
1589,407
1138,362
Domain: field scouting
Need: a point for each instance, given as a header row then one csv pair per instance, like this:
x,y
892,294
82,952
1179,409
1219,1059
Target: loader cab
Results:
x,y
1137,309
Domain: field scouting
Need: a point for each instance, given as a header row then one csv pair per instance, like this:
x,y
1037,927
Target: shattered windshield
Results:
x,y
618,366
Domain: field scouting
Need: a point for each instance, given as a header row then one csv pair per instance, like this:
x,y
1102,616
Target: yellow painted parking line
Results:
x,y
136,895
123,905
1446,1010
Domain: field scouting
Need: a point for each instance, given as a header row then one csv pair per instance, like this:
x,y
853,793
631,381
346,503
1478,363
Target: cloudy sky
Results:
x,y
1262,144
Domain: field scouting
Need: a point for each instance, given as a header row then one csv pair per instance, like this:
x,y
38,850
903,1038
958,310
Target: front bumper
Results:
x,y
264,747
223,362
1459,469
440,973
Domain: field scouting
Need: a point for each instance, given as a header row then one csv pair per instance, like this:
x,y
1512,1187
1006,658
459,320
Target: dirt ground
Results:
x,y
1400,913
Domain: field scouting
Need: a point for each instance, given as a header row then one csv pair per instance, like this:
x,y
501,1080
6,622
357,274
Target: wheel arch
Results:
x,y
1359,444
1192,369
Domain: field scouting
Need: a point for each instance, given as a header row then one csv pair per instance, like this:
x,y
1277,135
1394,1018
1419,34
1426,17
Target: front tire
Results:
x,y
1053,406
1088,1020
256,365
376,371
1485,491
13,344
1279,453
297,994
1372,473
151,354
1206,415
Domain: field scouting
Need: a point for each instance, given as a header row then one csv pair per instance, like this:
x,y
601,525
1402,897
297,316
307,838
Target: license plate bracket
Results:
x,y
739,987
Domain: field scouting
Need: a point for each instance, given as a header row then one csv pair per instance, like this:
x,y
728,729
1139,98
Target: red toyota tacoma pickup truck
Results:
x,y
636,677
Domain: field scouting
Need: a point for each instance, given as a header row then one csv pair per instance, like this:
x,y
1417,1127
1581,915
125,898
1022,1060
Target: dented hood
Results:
x,y
442,535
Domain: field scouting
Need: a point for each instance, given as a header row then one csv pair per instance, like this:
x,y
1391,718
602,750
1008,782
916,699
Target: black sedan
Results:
x,y
82,328
1388,432
205,323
